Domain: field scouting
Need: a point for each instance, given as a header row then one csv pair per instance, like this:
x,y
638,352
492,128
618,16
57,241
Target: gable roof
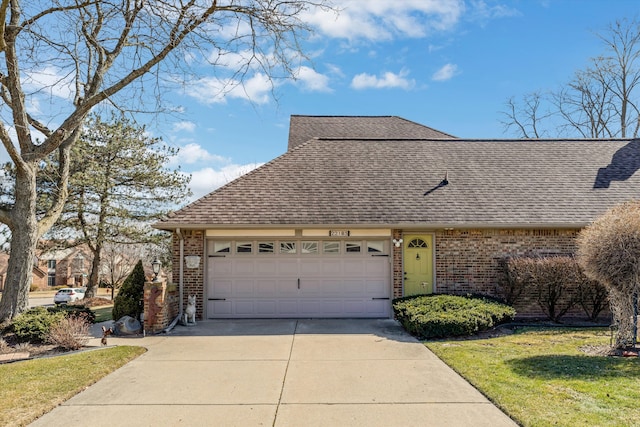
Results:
x,y
399,183
304,128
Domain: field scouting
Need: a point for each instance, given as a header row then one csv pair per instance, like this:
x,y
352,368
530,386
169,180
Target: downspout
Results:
x,y
180,284
181,274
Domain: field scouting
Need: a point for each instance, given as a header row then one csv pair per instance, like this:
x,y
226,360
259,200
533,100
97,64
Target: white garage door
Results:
x,y
295,278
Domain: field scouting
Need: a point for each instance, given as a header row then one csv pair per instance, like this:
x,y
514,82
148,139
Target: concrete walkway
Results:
x,y
281,373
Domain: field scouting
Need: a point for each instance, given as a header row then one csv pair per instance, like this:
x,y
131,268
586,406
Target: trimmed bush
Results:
x,y
440,316
129,301
35,324
511,280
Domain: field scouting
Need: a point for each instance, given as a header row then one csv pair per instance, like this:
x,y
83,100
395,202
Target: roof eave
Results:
x,y
169,226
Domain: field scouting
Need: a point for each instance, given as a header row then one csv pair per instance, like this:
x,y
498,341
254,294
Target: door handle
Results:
x,y
298,283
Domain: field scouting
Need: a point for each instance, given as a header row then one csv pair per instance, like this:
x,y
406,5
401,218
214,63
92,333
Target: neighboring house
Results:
x,y
361,210
64,267
39,276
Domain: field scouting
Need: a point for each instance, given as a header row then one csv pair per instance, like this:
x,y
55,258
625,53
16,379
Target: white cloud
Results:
x,y
483,12
184,126
210,90
387,80
312,81
445,73
194,153
384,20
206,180
49,80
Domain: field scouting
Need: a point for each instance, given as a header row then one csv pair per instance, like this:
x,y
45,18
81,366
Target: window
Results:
x,y
51,264
353,247
51,279
244,247
287,247
221,247
375,247
265,247
417,243
331,247
309,247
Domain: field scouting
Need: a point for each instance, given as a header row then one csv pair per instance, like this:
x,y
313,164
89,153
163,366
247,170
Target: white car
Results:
x,y
67,295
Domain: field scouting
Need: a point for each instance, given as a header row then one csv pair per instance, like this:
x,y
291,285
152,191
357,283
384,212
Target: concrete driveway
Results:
x,y
281,373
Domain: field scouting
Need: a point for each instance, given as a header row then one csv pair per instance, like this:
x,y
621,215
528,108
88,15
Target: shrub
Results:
x,y
129,301
74,311
556,281
35,324
553,280
511,280
70,333
593,297
608,251
439,316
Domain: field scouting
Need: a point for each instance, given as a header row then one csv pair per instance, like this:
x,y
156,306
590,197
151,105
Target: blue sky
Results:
x,y
448,64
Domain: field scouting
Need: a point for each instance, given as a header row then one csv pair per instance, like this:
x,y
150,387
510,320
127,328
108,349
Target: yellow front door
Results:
x,y
418,264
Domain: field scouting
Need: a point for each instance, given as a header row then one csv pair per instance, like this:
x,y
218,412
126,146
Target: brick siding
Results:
x,y
193,278
467,260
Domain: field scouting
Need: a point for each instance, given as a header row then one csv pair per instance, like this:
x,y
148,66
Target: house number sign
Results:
x,y
339,233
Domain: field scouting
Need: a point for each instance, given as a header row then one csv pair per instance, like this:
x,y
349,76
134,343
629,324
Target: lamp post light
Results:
x,y
155,264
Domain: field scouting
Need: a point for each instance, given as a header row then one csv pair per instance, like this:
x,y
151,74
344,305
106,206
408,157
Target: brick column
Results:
x,y
160,302
398,273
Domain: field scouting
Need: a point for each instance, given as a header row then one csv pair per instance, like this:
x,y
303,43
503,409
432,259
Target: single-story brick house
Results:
x,y
361,210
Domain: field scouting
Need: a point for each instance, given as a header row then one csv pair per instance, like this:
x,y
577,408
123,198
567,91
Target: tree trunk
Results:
x,y
24,240
92,285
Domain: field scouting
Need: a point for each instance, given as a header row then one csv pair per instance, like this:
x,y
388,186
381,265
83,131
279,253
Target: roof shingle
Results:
x,y
386,183
304,128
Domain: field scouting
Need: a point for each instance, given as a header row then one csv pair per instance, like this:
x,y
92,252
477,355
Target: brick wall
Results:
x,y
193,278
467,260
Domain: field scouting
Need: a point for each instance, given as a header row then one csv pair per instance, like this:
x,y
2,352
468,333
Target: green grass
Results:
x,y
103,313
540,377
32,388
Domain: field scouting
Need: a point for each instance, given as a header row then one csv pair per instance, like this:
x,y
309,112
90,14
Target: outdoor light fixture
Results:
x,y
397,242
155,264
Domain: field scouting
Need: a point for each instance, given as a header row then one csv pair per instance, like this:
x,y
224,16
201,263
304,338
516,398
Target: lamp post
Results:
x,y
79,270
155,264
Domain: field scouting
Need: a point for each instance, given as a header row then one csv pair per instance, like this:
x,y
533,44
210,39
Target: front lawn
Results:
x,y
32,388
550,377
103,313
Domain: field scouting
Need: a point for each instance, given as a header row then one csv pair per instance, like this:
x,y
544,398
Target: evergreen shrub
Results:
x,y
34,324
129,301
440,316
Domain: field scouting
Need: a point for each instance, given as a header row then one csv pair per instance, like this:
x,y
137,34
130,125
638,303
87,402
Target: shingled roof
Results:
x,y
401,183
304,128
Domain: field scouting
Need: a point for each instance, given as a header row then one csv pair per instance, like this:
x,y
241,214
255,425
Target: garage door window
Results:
x,y
353,247
375,247
331,247
266,247
287,247
309,247
221,247
244,247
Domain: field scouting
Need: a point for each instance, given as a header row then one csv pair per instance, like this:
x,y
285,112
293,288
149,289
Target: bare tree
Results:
x,y
117,262
600,101
108,53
